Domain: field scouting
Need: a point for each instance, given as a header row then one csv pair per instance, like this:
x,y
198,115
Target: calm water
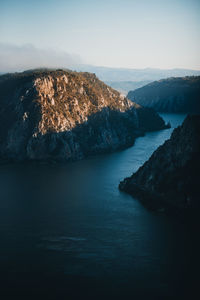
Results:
x,y
69,233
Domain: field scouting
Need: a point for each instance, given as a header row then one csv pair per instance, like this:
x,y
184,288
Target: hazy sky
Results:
x,y
124,33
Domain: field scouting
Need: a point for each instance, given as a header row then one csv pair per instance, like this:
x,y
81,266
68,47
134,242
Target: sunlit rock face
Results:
x,y
175,95
64,115
170,178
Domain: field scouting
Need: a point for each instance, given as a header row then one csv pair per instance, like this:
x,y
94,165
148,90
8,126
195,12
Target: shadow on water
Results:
x,y
67,231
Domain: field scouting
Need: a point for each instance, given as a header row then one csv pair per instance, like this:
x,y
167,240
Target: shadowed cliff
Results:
x,y
176,95
169,180
65,115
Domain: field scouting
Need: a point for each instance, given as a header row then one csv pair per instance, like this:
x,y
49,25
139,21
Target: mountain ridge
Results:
x,y
123,74
175,94
66,115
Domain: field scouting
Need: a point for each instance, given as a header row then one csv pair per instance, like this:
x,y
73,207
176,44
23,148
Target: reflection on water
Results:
x,y
68,230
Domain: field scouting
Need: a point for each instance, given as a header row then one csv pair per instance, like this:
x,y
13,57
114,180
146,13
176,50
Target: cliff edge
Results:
x,y
169,180
173,95
64,115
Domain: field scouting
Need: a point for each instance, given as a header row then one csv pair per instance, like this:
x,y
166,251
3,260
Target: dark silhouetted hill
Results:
x,y
170,95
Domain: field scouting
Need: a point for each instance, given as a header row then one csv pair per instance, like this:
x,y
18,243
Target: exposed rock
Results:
x,y
170,95
65,115
170,178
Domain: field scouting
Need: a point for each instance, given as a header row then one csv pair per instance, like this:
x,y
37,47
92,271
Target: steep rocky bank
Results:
x,y
169,180
64,115
175,95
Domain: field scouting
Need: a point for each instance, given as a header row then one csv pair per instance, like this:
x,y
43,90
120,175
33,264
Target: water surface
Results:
x,y
68,231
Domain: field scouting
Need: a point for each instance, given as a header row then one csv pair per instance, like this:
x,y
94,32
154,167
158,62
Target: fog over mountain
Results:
x,y
71,133
14,58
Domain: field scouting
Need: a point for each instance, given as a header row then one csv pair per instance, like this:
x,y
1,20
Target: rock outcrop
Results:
x,y
169,180
176,95
64,115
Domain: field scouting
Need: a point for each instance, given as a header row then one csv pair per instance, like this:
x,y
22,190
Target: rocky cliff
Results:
x,y
170,95
65,115
170,178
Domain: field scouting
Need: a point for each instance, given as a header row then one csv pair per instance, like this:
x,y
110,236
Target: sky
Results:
x,y
114,33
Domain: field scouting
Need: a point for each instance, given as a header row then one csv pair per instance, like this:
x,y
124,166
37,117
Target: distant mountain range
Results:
x,y
124,74
125,86
170,95
124,79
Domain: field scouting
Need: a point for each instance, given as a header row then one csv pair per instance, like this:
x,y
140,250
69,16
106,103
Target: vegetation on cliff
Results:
x,y
170,178
65,115
179,94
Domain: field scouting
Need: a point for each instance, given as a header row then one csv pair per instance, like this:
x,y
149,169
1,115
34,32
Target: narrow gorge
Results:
x,y
169,180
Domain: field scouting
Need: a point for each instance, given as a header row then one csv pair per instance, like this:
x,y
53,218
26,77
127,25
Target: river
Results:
x,y
67,232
